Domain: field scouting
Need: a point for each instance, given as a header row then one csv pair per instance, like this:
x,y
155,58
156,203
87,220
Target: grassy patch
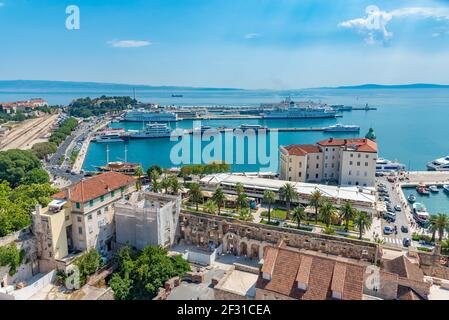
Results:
x,y
424,249
275,214
271,223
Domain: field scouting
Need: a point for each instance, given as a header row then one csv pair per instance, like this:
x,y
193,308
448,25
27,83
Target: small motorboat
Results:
x,y
411,198
423,190
434,189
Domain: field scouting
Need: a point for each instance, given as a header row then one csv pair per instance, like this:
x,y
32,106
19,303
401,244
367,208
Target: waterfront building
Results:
x,y
362,198
81,217
147,218
347,162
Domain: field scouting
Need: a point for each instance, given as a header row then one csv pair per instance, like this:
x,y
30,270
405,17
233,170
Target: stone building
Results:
x,y
147,218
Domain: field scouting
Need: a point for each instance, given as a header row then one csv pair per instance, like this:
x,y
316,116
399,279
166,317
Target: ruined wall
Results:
x,y
432,264
249,239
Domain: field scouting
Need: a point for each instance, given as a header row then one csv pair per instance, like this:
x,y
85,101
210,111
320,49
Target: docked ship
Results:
x,y
288,109
151,131
110,135
421,215
120,167
342,128
441,164
384,165
142,115
341,107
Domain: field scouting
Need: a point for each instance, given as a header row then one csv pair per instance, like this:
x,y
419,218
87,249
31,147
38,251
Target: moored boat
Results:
x,y
446,188
342,128
423,190
420,214
434,189
411,198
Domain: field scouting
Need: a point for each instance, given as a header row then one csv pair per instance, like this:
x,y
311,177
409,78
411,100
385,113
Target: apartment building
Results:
x,y
81,217
347,162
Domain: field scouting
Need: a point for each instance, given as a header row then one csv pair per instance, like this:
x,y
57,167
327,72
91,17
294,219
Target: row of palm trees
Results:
x,y
324,210
438,224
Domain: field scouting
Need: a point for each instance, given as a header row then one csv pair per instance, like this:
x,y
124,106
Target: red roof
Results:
x,y
359,144
321,274
302,149
95,187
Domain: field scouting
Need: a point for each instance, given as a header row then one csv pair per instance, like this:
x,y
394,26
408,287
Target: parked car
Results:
x,y
388,230
398,208
404,229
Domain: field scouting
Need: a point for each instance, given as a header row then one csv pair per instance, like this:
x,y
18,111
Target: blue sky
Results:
x,y
279,44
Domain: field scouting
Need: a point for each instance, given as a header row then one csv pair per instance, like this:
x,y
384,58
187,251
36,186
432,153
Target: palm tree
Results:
x,y
442,224
210,207
433,226
139,173
327,212
269,198
288,194
175,186
245,214
195,194
316,201
362,221
241,196
219,198
299,213
154,175
165,183
347,213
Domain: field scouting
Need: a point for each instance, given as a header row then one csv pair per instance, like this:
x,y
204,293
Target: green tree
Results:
x,y
362,221
120,286
269,198
175,186
165,183
15,164
347,213
154,168
442,224
245,215
433,226
327,213
11,257
288,194
299,214
154,176
241,201
36,176
88,264
195,194
210,207
43,149
316,200
219,198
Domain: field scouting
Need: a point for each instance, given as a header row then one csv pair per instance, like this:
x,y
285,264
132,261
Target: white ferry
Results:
x,y
109,135
384,165
142,115
288,109
151,131
342,128
441,164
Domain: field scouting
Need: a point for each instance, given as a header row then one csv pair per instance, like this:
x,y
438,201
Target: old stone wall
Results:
x,y
250,239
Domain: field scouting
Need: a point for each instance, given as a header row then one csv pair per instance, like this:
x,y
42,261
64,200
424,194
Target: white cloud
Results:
x,y
374,25
129,43
250,36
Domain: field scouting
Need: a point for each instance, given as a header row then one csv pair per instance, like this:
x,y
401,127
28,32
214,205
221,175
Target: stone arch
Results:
x,y
231,243
255,251
243,248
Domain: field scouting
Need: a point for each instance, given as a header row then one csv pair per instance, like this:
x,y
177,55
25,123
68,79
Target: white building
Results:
x,y
362,198
147,219
347,162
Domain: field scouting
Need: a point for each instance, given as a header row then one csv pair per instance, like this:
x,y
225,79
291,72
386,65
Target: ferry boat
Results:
x,y
446,188
420,214
295,112
384,165
342,128
434,189
109,135
341,107
441,164
151,131
411,198
142,115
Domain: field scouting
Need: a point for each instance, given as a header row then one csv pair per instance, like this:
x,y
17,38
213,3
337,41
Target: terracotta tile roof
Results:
x,y
302,149
320,273
359,144
404,268
95,187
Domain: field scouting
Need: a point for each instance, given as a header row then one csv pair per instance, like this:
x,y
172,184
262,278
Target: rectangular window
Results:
x,y
317,165
78,219
350,163
112,193
102,198
366,164
80,230
300,174
358,163
78,205
99,213
89,217
91,203
316,176
349,172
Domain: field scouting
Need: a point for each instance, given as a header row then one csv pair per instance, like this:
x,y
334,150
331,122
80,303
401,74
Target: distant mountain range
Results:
x,y
73,86
396,86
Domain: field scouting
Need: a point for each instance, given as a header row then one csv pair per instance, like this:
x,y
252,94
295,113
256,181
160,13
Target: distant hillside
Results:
x,y
31,85
398,86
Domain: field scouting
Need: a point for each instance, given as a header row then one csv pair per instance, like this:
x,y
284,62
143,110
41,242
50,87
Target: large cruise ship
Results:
x,y
142,115
151,131
441,164
289,109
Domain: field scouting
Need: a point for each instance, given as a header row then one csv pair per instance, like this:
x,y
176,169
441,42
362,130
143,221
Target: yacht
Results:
x,y
420,214
434,189
109,135
384,165
411,198
341,107
151,131
254,127
446,188
142,115
342,128
423,190
441,164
